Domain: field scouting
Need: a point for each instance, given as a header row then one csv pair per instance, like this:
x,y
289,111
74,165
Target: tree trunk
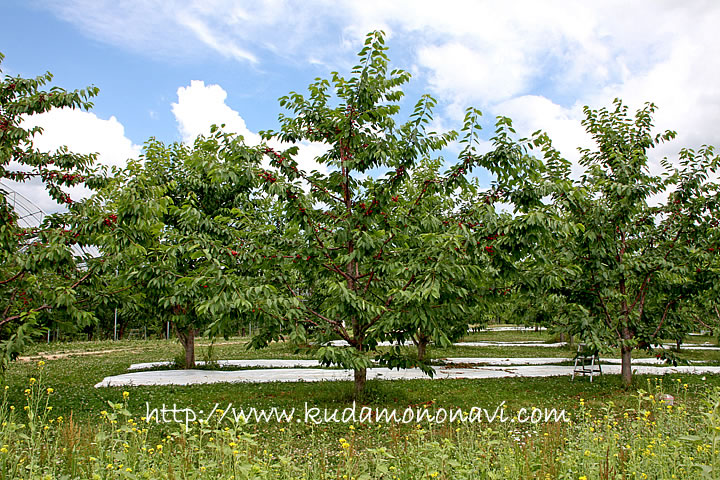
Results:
x,y
360,379
187,338
422,342
626,370
626,366
360,373
190,349
422,348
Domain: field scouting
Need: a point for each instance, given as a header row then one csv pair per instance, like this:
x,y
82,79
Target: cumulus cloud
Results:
x,y
82,132
540,62
200,106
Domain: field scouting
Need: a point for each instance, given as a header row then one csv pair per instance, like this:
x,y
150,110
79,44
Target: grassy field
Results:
x,y
74,368
99,423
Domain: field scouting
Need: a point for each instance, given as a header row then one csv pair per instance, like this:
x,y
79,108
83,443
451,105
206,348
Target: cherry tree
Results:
x,y
188,246
638,259
369,253
39,270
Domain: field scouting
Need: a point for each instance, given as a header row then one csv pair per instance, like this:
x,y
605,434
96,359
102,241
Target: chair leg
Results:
x,y
574,370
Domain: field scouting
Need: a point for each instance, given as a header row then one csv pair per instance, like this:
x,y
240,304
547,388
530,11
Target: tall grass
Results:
x,y
649,440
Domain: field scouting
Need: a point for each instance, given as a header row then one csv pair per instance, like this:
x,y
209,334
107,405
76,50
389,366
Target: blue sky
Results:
x,y
169,69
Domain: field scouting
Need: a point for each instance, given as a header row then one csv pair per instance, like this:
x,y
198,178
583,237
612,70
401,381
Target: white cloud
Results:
x,y
221,45
538,62
82,132
531,113
142,26
182,29
487,51
470,74
199,106
684,87
307,154
535,61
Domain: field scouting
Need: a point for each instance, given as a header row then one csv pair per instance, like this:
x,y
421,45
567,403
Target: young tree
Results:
x,y
39,271
184,246
367,249
638,261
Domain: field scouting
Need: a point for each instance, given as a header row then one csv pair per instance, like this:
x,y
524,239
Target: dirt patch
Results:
x,y
55,356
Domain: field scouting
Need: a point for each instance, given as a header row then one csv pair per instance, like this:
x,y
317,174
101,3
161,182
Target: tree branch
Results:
x,y
302,175
697,319
387,304
15,317
338,326
14,277
85,277
664,316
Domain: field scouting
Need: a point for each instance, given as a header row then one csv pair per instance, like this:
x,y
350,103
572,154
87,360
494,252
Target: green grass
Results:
x,y
72,378
509,336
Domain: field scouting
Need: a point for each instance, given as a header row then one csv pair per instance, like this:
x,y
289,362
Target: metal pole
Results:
x,y
167,335
117,269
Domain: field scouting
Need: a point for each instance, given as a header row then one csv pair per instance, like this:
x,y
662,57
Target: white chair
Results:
x,y
587,362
